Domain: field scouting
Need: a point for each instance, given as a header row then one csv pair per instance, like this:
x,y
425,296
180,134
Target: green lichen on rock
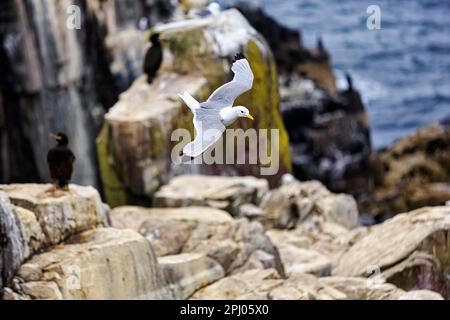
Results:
x,y
113,188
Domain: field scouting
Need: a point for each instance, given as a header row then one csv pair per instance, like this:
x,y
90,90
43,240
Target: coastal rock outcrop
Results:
x,y
250,197
59,246
32,220
105,263
417,257
236,244
329,136
267,285
297,202
67,245
135,146
414,172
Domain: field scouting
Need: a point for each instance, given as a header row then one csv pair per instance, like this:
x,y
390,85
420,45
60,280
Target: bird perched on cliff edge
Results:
x,y
60,161
213,116
153,58
349,82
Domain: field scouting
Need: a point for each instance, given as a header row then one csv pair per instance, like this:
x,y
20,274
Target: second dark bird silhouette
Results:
x,y
153,58
60,161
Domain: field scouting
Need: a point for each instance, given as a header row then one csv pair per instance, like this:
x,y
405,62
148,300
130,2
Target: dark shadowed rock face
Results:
x,y
329,136
412,173
57,79
48,85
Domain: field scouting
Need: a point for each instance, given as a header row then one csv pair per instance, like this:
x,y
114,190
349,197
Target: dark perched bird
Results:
x,y
60,161
153,58
349,82
320,46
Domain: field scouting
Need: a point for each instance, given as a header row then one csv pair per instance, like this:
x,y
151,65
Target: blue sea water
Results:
x,y
401,70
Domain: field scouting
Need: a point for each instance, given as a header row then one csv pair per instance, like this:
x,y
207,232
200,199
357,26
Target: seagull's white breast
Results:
x,y
227,116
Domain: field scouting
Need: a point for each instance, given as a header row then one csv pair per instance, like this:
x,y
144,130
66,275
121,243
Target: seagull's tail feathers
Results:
x,y
189,100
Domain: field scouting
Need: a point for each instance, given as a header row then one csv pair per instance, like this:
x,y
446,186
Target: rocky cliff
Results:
x,y
59,78
299,241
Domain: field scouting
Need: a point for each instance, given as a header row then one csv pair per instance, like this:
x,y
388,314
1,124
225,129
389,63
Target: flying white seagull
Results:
x,y
213,116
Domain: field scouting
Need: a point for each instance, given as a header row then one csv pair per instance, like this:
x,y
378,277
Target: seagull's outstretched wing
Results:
x,y
225,95
208,128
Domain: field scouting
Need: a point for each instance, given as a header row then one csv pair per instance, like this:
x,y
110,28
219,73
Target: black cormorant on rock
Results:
x,y
60,161
153,58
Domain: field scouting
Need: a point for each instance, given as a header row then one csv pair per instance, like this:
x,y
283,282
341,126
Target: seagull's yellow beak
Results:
x,y
56,137
250,117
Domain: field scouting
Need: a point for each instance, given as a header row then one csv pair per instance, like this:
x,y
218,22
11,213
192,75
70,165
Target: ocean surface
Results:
x,y
401,70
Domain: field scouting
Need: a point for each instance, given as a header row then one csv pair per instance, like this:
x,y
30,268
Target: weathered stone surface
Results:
x,y
231,242
313,247
187,272
42,290
420,295
135,145
251,284
339,208
304,261
104,263
414,172
49,219
411,250
266,284
297,202
356,288
31,219
12,243
227,193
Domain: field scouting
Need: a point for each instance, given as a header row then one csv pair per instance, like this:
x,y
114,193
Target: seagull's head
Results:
x,y
243,112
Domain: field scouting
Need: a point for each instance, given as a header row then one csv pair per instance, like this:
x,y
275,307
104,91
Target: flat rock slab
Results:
x,y
61,214
105,263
